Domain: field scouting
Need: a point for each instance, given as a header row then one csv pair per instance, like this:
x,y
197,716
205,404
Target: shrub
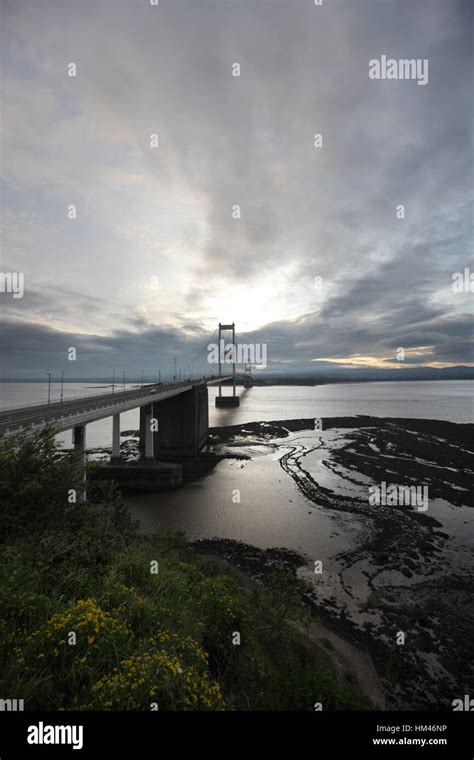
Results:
x,y
141,638
172,674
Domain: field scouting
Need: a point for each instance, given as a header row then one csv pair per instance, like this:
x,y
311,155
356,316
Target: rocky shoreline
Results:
x,y
433,608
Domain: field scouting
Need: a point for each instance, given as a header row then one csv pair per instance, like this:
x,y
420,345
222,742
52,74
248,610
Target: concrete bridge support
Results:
x,y
183,426
116,439
147,437
148,474
79,442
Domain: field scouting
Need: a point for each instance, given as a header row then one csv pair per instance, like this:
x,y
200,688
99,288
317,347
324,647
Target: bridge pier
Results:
x,y
248,375
225,401
183,426
146,444
79,442
116,439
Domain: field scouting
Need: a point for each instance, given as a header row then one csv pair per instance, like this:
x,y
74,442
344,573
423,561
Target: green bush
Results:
x,y
141,638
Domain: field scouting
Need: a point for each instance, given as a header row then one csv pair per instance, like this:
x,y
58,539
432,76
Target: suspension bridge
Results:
x,y
174,417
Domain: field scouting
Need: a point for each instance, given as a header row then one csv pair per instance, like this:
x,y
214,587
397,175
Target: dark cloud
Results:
x,y
224,141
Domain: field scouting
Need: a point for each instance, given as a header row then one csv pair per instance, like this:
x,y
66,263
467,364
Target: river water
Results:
x,y
271,512
444,400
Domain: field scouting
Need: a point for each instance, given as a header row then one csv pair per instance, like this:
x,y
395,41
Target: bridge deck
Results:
x,y
64,415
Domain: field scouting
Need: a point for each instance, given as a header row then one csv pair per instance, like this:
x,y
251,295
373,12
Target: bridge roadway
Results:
x,y
64,415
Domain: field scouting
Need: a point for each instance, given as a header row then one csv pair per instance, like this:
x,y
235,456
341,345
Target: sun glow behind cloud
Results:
x,y
155,247
387,362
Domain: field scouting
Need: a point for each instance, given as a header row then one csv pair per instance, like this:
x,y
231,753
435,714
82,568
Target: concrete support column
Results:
x,y
79,439
149,437
183,424
116,438
79,442
147,443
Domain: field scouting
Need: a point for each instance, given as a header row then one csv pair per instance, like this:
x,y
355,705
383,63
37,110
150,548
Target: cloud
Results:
x,y
165,214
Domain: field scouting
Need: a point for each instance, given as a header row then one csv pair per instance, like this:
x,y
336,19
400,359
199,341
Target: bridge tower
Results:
x,y
248,382
224,350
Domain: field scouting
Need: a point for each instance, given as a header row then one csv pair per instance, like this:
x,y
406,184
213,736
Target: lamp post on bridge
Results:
x,y
123,373
49,388
113,381
62,386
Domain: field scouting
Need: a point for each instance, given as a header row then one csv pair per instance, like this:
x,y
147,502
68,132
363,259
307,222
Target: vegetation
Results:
x,y
87,623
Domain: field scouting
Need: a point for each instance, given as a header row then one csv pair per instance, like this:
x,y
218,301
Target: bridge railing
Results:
x,y
56,401
6,410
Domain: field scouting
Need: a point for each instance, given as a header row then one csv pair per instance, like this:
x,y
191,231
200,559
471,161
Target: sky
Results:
x,y
236,215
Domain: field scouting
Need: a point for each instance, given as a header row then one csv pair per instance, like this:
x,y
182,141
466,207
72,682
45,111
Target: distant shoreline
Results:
x,y
466,374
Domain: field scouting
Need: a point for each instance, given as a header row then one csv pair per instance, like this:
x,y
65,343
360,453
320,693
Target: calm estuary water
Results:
x,y
444,400
272,511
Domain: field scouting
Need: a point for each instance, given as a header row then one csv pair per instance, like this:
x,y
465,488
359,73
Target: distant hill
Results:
x,y
345,375
307,377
